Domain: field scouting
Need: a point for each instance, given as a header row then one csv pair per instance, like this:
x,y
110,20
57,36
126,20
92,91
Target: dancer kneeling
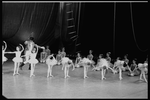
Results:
x,y
66,64
50,61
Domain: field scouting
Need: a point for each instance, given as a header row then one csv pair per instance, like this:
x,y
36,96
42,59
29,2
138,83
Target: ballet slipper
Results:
x,y
86,77
14,74
51,76
68,76
17,73
103,78
47,76
120,78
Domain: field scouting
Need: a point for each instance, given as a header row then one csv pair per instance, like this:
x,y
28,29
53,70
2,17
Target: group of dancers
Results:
x,y
102,65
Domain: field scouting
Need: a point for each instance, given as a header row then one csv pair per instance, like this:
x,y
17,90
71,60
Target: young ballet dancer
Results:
x,y
67,63
133,69
58,57
126,61
43,56
85,62
17,60
143,69
33,61
3,52
102,65
90,57
78,59
50,61
29,47
63,53
48,51
108,58
119,64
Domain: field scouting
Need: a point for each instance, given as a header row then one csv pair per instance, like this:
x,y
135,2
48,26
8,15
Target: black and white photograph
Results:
x,y
75,49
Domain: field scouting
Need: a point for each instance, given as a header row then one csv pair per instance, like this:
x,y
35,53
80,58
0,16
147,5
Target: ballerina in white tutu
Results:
x,y
17,60
143,68
126,61
86,64
33,61
119,65
90,57
3,52
50,61
102,65
78,59
67,63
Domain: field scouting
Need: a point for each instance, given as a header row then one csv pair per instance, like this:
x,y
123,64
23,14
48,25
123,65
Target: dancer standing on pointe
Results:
x,y
119,64
3,52
17,60
50,61
78,59
67,63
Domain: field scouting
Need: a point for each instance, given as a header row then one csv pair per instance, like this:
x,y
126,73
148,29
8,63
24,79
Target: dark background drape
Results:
x,y
98,30
96,27
19,20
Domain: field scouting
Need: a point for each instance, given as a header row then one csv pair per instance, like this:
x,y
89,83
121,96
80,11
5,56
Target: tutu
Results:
x,y
103,62
17,59
4,58
65,60
145,64
34,61
51,62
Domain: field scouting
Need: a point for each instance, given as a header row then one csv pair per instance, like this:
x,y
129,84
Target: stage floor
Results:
x,y
22,86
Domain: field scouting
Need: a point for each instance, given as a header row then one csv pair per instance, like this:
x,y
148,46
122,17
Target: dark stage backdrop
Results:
x,y
96,28
19,20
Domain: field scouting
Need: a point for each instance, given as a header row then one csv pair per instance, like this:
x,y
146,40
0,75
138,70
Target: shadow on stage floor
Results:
x,y
22,86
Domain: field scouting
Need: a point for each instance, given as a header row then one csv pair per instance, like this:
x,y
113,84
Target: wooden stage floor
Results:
x,y
22,86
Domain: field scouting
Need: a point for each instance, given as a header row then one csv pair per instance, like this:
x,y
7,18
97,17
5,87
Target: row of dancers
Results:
x,y
102,65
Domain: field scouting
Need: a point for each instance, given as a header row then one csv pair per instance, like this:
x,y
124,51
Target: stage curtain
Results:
x,y
21,19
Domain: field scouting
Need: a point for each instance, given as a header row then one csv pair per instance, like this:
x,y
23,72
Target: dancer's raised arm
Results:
x,y
22,47
42,47
5,45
